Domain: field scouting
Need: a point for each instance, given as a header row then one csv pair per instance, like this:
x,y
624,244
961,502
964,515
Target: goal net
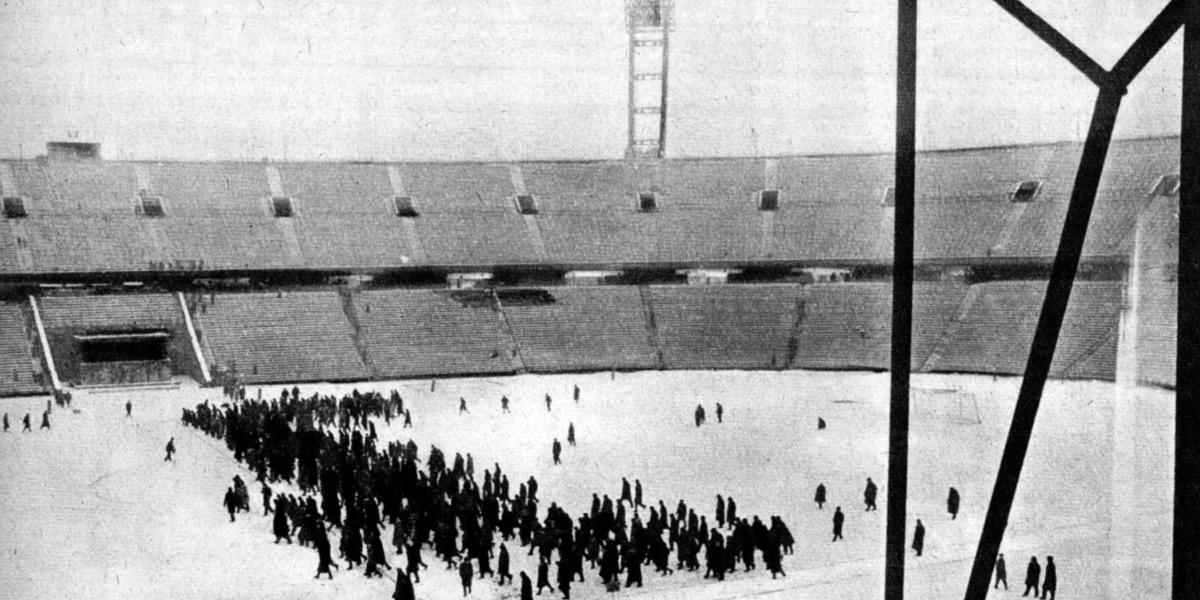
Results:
x,y
946,404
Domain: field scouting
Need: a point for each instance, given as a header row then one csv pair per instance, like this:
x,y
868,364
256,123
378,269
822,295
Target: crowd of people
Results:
x,y
352,482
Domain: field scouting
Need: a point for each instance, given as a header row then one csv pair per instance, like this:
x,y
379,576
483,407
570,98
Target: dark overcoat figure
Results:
x,y
1050,581
869,494
1033,574
919,538
404,587
526,587
819,498
1001,573
838,520
952,502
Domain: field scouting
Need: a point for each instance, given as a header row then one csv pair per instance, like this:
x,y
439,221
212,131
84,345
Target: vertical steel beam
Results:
x,y
1045,338
902,292
1185,572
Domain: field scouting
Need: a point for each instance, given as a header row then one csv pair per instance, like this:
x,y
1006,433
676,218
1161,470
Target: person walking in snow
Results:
x,y
1001,573
231,502
838,520
128,408
547,402
526,587
952,502
170,449
5,422
576,394
556,448
25,421
699,415
465,573
45,420
1033,574
502,565
407,419
1050,581
869,494
266,496
571,433
820,497
504,404
279,525
919,538
404,587
462,406
413,554
720,412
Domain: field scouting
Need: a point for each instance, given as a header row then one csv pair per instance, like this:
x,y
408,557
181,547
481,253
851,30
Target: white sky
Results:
x,y
524,79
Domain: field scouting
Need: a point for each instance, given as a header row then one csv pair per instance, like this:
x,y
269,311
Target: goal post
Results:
x,y
951,405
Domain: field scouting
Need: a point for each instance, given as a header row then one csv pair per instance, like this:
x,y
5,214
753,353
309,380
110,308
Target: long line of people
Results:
x,y
328,447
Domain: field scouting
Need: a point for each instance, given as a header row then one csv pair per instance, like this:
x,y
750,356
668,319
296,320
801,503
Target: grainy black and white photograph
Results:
x,y
600,299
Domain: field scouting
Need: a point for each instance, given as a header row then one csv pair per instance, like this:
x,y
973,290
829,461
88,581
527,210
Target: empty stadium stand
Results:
x,y
848,325
997,333
280,336
580,328
216,216
726,327
414,333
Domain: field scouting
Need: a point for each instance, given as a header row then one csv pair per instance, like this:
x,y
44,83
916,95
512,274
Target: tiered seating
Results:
x,y
342,242
249,241
848,325
211,189
617,236
830,207
16,363
474,237
420,332
958,227
76,187
998,332
725,327
281,337
328,189
584,328
124,311
82,244
580,189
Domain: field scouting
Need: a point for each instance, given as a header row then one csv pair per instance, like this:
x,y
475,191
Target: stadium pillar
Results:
x,y
1185,571
902,293
1045,338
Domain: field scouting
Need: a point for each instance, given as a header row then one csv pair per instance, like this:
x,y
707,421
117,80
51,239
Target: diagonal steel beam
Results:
x,y
1045,338
1059,42
1156,35
1185,571
902,292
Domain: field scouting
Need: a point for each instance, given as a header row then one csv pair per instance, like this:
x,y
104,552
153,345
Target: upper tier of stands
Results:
x,y
280,336
81,214
17,370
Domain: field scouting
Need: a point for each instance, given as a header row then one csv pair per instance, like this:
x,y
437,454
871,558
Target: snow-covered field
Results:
x,y
89,509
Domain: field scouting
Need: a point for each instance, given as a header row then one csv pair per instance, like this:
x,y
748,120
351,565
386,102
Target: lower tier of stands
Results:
x,y
412,333
581,328
18,374
280,336
386,334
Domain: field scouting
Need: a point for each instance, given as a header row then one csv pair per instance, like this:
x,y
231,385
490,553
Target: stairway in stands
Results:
x,y
360,341
943,343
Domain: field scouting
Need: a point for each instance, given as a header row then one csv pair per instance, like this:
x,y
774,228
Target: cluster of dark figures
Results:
x,y
26,423
327,447
1033,576
701,416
